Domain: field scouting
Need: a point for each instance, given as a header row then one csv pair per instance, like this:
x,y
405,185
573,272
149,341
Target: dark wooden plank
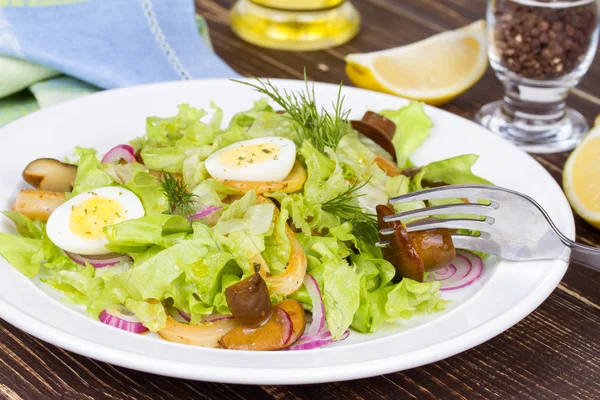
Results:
x,y
550,354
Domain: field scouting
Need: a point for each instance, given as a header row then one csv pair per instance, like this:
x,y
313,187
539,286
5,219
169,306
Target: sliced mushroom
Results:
x,y
38,204
435,247
273,335
284,327
377,128
249,300
378,120
50,175
402,252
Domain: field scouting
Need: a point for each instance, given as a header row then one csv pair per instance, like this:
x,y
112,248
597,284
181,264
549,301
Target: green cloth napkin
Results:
x,y
27,87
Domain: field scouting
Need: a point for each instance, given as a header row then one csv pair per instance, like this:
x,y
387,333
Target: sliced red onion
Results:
x,y
106,260
445,273
465,269
311,338
318,312
318,342
205,212
216,317
185,315
120,317
120,152
288,324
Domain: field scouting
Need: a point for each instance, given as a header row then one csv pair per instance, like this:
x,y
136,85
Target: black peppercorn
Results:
x,y
543,42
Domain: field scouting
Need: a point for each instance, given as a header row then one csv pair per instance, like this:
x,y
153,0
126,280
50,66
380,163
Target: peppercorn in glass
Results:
x,y
539,50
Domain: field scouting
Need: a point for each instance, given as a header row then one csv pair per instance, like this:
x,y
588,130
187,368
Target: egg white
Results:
x,y
60,234
267,171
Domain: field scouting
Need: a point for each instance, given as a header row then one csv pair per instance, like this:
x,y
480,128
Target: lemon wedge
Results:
x,y
581,178
434,70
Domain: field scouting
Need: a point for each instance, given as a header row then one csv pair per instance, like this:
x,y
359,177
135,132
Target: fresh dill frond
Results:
x,y
345,207
320,127
181,202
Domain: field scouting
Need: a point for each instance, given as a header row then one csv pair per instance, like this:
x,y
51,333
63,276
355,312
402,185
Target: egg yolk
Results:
x,y
246,155
89,218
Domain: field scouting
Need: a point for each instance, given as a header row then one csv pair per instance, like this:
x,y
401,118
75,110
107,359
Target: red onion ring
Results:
x,y
205,212
446,273
120,317
465,269
215,318
318,313
102,261
288,323
185,315
120,152
318,342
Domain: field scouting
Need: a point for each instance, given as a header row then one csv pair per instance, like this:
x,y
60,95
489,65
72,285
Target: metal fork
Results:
x,y
512,226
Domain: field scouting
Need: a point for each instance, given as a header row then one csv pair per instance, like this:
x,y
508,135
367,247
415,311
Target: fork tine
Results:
x,y
448,192
451,223
473,242
465,208
462,241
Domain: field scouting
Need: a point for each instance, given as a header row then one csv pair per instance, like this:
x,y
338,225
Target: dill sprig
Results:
x,y
318,126
180,200
345,207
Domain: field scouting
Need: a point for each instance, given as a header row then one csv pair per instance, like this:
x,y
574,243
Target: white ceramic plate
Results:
x,y
507,292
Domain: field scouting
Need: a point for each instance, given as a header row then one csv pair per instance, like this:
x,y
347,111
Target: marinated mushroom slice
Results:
x,y
38,204
275,334
249,301
435,247
387,126
376,134
402,252
50,175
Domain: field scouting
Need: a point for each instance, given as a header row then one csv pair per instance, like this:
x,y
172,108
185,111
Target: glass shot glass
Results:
x,y
539,49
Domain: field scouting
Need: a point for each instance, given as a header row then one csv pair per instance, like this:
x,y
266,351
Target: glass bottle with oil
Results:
x,y
298,25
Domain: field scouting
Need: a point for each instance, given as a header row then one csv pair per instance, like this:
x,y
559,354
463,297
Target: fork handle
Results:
x,y
585,255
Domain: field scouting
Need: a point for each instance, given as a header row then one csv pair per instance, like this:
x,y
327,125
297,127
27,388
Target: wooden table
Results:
x,y
553,353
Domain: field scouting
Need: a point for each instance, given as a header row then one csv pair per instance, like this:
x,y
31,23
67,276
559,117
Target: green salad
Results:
x,y
232,233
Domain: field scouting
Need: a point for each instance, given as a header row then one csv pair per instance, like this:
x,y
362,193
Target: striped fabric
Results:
x,y
56,50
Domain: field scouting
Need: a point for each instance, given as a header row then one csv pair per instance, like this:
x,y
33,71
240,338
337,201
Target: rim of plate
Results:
x,y
244,375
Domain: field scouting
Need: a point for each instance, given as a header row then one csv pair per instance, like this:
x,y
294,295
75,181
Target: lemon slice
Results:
x,y
434,70
581,178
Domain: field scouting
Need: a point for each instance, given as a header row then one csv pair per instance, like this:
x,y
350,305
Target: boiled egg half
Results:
x,y
78,225
265,159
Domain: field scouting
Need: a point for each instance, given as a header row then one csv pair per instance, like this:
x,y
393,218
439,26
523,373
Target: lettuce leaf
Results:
x,y
413,126
358,160
151,314
18,251
453,171
149,190
25,226
341,289
277,246
245,214
383,301
133,236
90,174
